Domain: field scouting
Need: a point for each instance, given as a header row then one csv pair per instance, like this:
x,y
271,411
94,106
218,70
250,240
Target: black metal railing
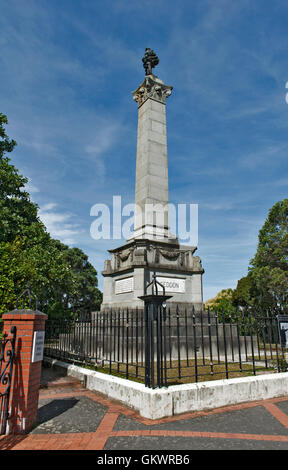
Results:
x,y
172,346
7,353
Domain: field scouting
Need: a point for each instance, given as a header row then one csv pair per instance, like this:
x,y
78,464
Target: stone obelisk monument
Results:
x,y
152,248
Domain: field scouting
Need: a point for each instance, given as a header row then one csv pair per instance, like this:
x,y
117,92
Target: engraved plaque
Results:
x,y
124,285
38,346
172,284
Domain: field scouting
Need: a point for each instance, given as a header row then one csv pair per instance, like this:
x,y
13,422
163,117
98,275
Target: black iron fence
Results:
x,y
165,347
7,353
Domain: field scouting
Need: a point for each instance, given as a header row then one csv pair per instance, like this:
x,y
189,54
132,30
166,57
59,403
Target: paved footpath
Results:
x,y
73,418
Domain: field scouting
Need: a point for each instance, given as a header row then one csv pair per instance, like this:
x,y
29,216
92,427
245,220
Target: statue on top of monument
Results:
x,y
150,60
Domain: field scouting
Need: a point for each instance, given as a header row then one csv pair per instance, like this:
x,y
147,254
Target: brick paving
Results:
x,y
73,418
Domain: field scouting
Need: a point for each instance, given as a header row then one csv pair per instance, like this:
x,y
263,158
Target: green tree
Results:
x,y
86,297
222,304
6,144
269,267
31,258
245,292
80,293
61,277
17,212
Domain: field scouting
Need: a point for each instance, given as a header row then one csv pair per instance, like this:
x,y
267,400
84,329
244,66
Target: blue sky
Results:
x,y
68,68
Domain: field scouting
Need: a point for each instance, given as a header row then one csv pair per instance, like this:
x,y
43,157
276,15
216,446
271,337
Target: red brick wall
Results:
x,y
26,375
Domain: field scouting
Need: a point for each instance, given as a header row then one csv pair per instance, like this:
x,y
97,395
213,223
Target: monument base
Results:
x,y
131,268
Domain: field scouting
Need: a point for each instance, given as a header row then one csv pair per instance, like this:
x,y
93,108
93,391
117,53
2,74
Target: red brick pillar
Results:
x,y
26,369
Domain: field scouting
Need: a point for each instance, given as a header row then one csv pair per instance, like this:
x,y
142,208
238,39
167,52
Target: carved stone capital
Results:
x,y
152,88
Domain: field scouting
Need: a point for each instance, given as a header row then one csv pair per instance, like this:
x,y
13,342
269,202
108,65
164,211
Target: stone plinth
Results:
x,y
132,266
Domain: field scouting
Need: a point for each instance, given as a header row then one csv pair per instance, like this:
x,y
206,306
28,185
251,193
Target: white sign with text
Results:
x,y
38,346
172,284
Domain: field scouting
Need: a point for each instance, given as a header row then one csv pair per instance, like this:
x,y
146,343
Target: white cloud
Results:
x,y
264,156
217,206
105,137
31,188
59,224
280,182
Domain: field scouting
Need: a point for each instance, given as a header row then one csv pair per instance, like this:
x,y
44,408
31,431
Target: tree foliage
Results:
x,y
245,292
265,288
81,293
222,304
17,212
269,267
61,277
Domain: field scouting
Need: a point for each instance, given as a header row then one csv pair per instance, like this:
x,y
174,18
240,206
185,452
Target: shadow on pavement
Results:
x,y
55,408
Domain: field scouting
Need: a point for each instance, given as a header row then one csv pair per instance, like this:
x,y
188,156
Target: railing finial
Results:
x,y
30,294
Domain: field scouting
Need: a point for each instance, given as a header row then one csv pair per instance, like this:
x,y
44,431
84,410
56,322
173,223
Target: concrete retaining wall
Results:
x,y
176,399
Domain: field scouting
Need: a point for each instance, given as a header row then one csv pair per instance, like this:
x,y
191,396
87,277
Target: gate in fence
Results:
x,y
7,353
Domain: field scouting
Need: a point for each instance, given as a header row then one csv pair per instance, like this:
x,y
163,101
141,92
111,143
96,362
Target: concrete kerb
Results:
x,y
177,399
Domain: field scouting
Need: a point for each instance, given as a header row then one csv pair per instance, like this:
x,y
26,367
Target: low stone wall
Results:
x,y
176,399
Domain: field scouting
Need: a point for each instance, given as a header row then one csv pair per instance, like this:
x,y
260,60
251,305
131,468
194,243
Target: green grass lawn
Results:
x,y
183,372
205,372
